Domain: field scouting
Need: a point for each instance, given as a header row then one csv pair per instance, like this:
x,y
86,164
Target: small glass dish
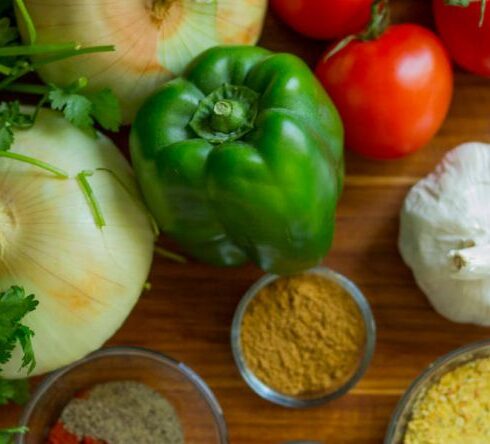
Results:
x,y
272,395
403,412
200,415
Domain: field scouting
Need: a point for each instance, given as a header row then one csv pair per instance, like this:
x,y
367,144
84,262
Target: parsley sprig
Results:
x,y
15,390
82,108
7,435
15,304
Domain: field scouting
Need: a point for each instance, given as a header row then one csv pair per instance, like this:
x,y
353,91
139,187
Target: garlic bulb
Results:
x,y
154,39
445,234
86,279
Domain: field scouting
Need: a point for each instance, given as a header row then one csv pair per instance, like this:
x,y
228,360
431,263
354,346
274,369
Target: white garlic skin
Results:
x,y
445,234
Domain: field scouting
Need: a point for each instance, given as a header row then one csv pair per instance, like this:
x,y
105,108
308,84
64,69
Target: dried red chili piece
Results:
x,y
59,435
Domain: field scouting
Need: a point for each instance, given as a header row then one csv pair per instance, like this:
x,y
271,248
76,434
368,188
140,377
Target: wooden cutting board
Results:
x,y
188,312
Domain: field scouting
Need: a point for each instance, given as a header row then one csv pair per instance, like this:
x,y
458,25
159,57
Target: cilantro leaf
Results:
x,y
106,110
16,391
6,138
24,334
7,33
7,435
80,108
14,305
84,109
12,117
75,107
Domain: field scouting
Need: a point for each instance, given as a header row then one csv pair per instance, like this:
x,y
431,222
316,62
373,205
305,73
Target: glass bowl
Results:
x,y
270,394
198,410
403,411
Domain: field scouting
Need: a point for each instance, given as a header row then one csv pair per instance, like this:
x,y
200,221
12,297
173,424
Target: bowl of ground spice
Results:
x,y
448,403
124,395
301,341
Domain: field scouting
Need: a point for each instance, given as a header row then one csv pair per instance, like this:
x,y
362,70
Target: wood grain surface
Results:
x,y
188,312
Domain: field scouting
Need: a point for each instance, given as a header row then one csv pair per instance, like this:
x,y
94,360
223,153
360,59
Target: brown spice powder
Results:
x,y
123,412
302,335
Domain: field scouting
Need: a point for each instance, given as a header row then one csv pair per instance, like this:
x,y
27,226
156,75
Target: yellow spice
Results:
x,y
455,410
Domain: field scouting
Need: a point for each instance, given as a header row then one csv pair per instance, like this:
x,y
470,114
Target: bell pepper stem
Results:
x,y
223,108
471,263
228,115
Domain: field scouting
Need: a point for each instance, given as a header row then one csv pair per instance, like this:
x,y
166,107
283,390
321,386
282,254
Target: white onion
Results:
x,y
154,39
86,279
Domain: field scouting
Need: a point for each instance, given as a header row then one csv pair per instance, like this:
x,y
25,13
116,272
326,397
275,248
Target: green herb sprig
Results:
x,y
82,108
7,435
16,391
15,304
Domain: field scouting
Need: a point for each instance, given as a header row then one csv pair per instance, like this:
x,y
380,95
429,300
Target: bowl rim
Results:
x,y
275,397
183,369
419,381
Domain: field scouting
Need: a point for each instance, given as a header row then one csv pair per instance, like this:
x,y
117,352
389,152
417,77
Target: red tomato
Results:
x,y
324,19
393,93
468,43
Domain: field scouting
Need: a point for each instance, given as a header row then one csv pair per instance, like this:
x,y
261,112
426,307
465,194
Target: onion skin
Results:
x,y
87,280
154,39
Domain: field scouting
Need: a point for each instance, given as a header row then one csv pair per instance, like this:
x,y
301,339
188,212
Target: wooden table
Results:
x,y
187,313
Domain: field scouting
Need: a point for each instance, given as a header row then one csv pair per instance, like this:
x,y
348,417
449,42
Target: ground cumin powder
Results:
x,y
302,335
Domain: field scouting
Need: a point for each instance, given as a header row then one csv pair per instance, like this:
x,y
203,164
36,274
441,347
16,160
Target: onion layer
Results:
x,y
154,39
87,279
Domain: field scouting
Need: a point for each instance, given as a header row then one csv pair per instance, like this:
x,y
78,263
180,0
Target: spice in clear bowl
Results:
x,y
303,335
456,409
119,412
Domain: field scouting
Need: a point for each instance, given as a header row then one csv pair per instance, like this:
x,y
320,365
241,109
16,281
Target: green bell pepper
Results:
x,y
242,159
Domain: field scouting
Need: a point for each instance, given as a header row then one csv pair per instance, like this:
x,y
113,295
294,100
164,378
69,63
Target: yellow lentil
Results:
x,y
456,409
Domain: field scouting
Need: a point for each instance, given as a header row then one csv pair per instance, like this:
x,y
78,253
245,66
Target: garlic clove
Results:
x,y
445,234
471,263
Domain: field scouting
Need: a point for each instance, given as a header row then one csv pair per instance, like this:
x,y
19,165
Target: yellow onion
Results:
x,y
154,39
87,279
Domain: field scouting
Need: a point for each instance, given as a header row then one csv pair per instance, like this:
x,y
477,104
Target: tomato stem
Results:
x,y
463,3
466,3
380,20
